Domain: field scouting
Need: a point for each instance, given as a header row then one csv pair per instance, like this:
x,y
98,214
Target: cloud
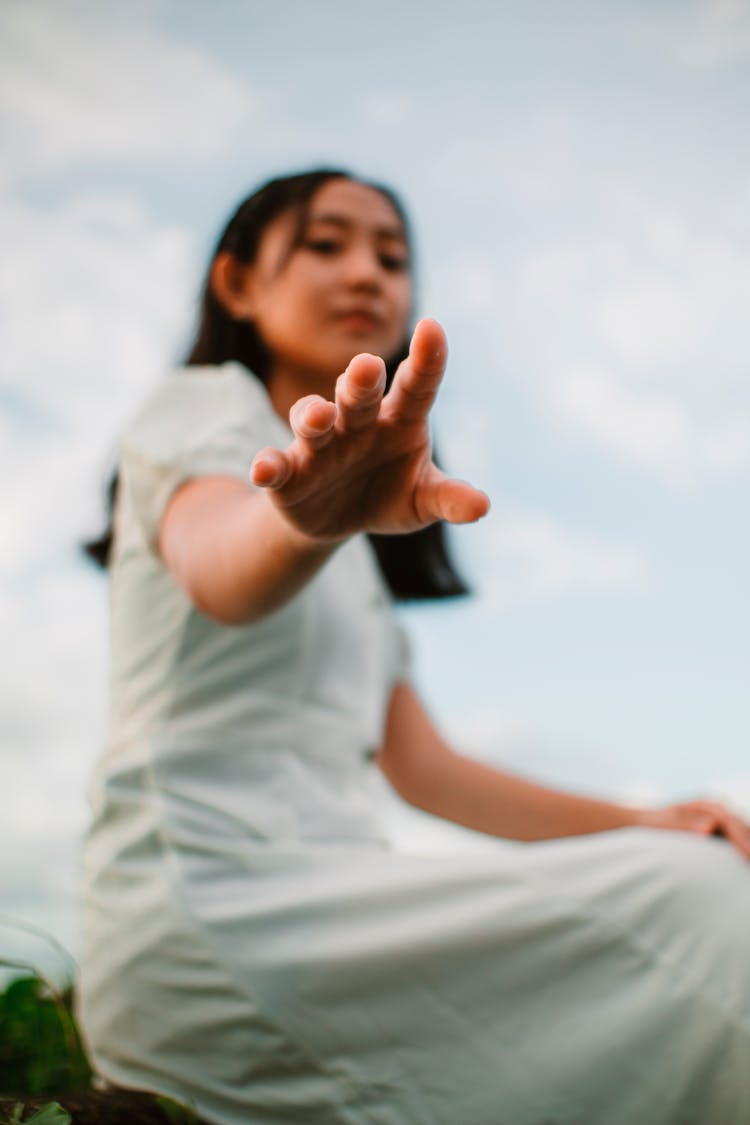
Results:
x,y
93,297
91,292
701,34
653,430
650,323
735,792
53,704
529,556
664,314
533,164
633,335
82,82
662,296
387,109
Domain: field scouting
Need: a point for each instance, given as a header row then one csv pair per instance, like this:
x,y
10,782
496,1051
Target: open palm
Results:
x,y
364,462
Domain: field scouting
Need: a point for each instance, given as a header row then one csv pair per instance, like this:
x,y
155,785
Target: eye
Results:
x,y
397,263
325,246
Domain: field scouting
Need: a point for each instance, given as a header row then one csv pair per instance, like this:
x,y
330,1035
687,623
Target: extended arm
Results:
x,y
232,552
430,775
360,463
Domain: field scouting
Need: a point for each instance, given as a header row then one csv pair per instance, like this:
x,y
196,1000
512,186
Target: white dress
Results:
x,y
253,945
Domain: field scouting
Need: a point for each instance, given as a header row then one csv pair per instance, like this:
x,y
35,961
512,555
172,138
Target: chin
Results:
x,y
372,343
337,358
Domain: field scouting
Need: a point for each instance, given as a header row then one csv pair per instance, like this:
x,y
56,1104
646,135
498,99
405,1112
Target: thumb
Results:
x,y
443,498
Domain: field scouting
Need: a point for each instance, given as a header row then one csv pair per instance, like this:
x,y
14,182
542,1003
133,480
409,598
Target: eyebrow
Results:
x,y
341,221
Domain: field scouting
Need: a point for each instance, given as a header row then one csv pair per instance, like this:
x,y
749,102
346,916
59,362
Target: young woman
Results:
x,y
251,943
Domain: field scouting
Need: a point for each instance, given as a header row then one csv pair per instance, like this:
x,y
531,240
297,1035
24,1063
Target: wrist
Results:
x,y
645,817
300,541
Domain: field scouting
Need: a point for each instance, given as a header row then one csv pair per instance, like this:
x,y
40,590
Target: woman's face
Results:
x,y
344,289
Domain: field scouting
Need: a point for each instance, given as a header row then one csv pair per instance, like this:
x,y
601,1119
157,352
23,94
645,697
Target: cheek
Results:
x,y
405,295
403,304
288,307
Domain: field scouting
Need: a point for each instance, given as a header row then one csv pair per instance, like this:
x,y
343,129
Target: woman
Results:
x,y
251,942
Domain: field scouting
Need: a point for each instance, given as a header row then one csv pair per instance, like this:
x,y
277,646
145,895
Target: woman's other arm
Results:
x,y
430,775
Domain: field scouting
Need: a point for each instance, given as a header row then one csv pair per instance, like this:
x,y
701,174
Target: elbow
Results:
x,y
221,611
219,617
414,782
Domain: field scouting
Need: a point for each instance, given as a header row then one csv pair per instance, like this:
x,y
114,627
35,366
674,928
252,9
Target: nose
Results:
x,y
362,267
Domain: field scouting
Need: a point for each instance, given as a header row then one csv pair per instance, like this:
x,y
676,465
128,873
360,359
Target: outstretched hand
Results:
x,y
364,461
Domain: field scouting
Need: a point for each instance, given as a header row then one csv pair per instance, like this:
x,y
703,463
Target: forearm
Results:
x,y
429,774
490,800
233,552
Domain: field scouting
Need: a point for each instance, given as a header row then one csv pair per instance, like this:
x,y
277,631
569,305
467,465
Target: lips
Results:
x,y
360,317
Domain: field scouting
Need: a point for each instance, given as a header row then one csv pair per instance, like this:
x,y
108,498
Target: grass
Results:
x,y
50,1114
41,1055
40,1048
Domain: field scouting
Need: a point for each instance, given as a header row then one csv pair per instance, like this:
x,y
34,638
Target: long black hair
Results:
x,y
415,566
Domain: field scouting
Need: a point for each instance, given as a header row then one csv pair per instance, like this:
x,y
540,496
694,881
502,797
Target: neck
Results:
x,y
285,386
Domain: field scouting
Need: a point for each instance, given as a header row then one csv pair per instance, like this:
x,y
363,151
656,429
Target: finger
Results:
x,y
737,834
418,378
270,468
711,818
312,419
444,498
705,824
359,392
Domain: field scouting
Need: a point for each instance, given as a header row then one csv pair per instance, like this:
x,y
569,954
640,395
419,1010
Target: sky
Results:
x,y
578,176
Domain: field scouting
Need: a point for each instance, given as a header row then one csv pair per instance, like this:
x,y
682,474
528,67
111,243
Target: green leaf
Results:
x,y
40,1049
51,1114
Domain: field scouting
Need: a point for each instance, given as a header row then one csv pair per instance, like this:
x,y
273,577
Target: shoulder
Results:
x,y
227,389
198,421
195,404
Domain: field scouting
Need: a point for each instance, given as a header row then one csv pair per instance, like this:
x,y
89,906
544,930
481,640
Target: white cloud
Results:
x,y
651,429
53,705
528,556
93,298
470,284
387,109
91,293
703,34
662,298
534,164
636,336
650,323
735,792
56,619
90,82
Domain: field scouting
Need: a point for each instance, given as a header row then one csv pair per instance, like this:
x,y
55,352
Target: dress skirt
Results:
x,y
601,980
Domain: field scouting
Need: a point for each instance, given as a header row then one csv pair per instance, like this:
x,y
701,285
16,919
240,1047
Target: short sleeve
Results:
x,y
199,421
